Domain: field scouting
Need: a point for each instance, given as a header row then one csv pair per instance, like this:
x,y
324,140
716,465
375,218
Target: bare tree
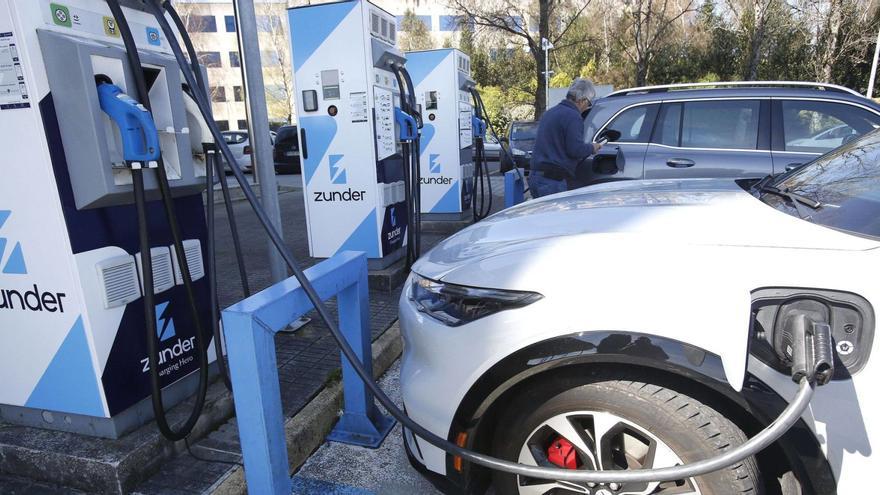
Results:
x,y
645,27
511,18
279,68
414,34
841,30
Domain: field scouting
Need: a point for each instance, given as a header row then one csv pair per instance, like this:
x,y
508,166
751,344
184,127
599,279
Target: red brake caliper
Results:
x,y
562,453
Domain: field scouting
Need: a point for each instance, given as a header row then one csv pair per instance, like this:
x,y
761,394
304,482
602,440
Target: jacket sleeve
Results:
x,y
575,146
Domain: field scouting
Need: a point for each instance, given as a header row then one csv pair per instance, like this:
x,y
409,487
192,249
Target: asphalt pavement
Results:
x,y
340,469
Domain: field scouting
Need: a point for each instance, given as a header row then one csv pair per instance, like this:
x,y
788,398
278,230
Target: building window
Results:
x,y
223,125
234,59
230,24
268,23
455,23
210,59
242,125
201,23
218,94
238,93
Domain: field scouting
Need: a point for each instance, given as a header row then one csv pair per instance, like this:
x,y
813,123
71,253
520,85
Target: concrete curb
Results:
x,y
306,431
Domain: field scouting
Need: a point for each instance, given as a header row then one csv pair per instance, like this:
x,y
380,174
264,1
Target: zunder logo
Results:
x,y
337,171
12,263
164,323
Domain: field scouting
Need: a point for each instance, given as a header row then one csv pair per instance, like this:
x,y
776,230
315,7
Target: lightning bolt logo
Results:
x,y
434,164
15,264
337,171
164,323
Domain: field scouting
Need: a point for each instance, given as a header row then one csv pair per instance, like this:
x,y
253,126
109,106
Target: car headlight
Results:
x,y
454,305
517,152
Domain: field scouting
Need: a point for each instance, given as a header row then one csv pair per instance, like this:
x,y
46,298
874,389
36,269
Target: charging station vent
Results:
x,y
119,277
163,273
192,249
383,28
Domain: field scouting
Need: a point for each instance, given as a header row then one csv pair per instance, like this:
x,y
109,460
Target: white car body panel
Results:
x,y
697,249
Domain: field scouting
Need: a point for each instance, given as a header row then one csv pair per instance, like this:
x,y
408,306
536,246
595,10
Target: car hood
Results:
x,y
697,212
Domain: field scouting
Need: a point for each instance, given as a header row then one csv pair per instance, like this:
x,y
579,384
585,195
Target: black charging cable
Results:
x,y
147,262
480,206
410,156
789,417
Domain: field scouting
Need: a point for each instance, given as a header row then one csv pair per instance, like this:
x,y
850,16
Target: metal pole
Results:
x,y
547,78
258,124
874,66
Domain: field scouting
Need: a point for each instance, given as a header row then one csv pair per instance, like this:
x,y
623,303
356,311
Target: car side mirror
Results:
x,y
609,134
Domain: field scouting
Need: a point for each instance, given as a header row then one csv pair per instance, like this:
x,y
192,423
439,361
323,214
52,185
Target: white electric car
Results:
x,y
642,324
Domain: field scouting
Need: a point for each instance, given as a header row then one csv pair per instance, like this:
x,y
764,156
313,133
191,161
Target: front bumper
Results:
x,y
440,364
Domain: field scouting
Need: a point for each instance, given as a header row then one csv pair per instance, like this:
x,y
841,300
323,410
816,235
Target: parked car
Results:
x,y
722,129
641,324
287,159
240,145
491,147
520,140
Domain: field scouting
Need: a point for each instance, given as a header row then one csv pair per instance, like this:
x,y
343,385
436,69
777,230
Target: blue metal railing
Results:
x,y
514,187
250,327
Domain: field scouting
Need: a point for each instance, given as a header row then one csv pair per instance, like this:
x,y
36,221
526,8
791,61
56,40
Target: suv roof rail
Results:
x,y
752,84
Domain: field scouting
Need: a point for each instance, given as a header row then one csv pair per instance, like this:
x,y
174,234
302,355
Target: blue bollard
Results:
x,y
514,187
250,327
361,423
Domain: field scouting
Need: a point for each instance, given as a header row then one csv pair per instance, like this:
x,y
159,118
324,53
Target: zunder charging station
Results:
x,y
73,352
442,86
347,99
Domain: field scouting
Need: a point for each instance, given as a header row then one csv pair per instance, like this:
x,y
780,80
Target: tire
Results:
x,y
691,429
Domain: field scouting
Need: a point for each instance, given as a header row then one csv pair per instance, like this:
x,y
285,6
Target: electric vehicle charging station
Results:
x,y
72,348
353,171
442,85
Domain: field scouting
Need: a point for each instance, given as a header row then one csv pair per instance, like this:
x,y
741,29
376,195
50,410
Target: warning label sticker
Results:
x,y
13,88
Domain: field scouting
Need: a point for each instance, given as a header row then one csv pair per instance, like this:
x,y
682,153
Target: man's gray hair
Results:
x,y
581,89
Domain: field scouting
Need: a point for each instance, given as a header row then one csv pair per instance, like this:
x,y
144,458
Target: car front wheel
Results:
x,y
614,424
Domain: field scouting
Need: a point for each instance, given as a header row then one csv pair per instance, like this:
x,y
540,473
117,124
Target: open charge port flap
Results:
x,y
850,317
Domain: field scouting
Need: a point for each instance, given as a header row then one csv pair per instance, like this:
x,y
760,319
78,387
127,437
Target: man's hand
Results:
x,y
596,147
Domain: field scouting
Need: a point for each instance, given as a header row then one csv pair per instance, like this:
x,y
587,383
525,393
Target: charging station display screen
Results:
x,y
330,84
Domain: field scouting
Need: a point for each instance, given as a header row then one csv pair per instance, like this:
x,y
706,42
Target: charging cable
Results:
x,y
783,423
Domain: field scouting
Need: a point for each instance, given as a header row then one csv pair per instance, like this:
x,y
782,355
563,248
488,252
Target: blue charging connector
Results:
x,y
409,128
478,127
140,139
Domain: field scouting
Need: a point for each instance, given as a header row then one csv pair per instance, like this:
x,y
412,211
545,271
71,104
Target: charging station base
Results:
x,y
359,429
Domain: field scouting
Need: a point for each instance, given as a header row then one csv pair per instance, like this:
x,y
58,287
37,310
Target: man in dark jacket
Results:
x,y
559,144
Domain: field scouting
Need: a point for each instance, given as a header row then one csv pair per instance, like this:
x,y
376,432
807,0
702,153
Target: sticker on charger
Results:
x,y
13,87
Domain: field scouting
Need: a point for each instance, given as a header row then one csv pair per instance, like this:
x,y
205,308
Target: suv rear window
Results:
x,y
719,124
820,126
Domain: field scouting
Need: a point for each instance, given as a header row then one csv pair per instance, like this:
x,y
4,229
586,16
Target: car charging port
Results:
x,y
806,346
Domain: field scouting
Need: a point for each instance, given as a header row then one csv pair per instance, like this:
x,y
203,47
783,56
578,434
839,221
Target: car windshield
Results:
x,y
845,184
286,133
525,131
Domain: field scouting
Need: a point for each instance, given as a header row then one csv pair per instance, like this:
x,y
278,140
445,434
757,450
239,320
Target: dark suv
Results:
x,y
287,151
748,129
520,140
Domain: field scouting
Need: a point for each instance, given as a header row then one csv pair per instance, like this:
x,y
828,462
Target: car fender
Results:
x,y
647,351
